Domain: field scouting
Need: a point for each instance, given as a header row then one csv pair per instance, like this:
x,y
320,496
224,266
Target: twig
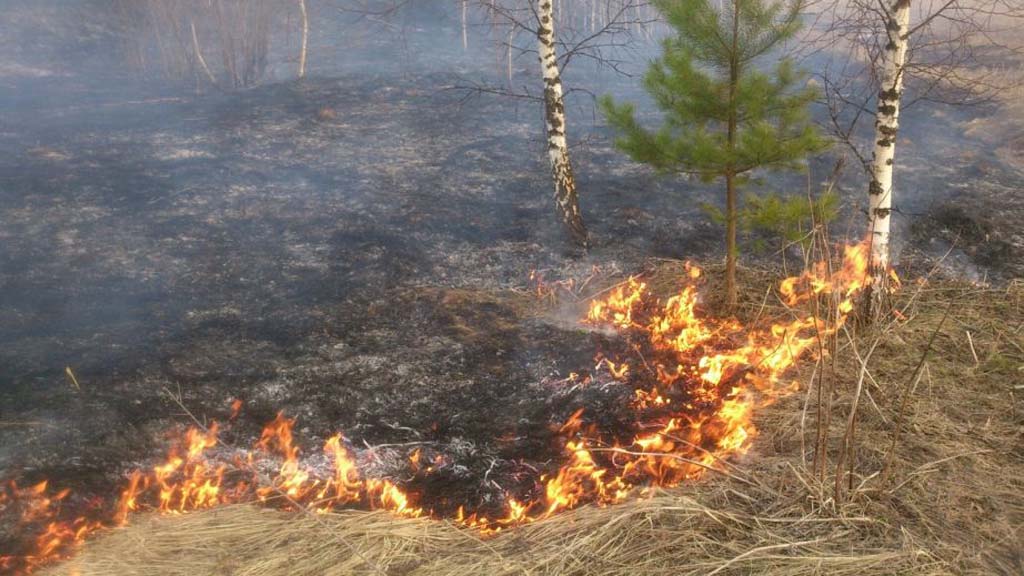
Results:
x,y
372,447
911,383
71,377
199,56
929,467
713,455
803,413
848,437
676,457
614,286
26,423
761,549
970,343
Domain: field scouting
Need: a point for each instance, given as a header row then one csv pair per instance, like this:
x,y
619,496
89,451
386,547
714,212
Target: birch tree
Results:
x,y
566,197
555,32
558,37
305,38
933,46
887,116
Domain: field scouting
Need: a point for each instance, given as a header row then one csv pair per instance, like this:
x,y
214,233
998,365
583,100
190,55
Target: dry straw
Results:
x,y
950,500
669,534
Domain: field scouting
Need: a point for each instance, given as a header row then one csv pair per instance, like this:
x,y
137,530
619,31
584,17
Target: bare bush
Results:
x,y
223,42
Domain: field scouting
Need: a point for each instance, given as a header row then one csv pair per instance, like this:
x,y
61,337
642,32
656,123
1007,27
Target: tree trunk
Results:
x,y
732,251
305,39
730,241
566,198
465,35
880,189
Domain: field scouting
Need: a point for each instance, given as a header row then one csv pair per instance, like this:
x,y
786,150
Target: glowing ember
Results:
x,y
696,381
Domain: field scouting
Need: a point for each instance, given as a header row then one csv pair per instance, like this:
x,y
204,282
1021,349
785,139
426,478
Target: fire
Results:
x,y
236,409
617,309
697,382
38,509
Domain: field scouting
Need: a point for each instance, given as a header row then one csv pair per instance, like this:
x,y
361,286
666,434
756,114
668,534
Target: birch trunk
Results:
x,y
880,189
566,198
305,39
508,53
465,34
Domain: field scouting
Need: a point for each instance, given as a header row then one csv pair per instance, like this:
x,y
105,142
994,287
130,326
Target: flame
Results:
x,y
37,508
618,371
236,409
697,383
617,309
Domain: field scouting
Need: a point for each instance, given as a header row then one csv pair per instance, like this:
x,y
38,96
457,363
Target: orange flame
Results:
x,y
36,508
695,400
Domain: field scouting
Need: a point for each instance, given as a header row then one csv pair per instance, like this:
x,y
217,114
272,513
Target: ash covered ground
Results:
x,y
358,272
364,271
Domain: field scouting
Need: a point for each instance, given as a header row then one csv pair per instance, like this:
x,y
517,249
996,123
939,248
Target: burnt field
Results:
x,y
358,270
356,252
366,272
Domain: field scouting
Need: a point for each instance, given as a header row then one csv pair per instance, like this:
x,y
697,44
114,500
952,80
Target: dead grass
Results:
x,y
666,534
952,504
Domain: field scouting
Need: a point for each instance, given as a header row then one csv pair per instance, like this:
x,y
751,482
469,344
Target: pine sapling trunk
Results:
x,y
880,188
732,250
566,198
730,241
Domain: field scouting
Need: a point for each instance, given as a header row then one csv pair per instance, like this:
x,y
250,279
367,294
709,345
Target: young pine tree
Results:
x,y
723,116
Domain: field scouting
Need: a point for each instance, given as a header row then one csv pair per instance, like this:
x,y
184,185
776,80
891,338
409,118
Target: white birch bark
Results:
x,y
566,198
305,38
465,33
508,52
880,189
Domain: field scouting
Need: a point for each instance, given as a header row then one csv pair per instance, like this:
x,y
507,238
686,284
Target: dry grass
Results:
x,y
952,504
667,534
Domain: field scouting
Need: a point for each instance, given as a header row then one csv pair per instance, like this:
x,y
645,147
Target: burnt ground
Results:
x,y
363,272
357,272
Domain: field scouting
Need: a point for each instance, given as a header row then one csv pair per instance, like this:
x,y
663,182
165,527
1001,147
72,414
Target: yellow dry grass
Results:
x,y
954,503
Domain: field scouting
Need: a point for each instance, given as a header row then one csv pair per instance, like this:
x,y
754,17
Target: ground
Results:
x,y
355,250
353,272
231,246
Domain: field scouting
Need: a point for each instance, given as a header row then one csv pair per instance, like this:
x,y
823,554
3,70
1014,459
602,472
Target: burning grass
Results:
x,y
815,498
